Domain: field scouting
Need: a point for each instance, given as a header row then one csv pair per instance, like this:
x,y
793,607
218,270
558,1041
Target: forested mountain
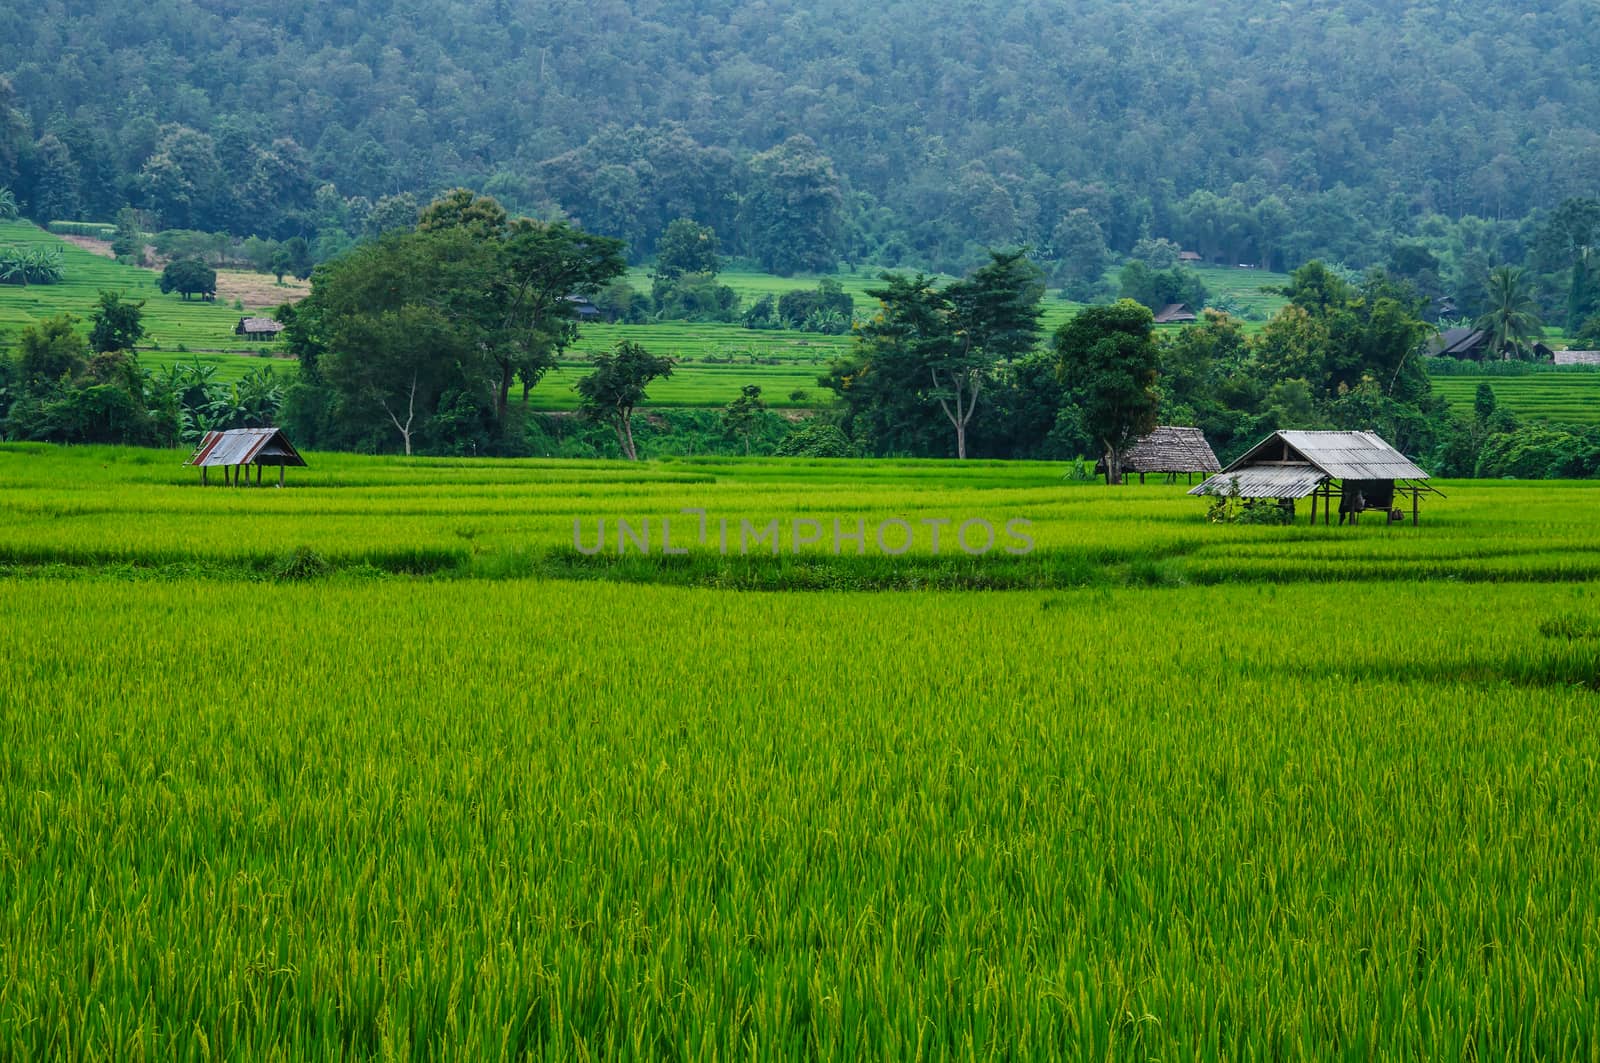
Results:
x,y
898,132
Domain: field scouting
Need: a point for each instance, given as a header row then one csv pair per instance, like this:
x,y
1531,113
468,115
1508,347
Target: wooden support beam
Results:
x,y
280,475
203,481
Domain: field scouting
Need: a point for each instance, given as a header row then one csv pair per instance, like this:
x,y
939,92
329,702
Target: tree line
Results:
x,y
807,134
415,340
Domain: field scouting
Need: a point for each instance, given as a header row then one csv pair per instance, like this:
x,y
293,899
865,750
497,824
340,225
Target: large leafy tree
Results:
x,y
189,276
687,247
1570,240
394,345
930,352
1108,361
616,386
791,214
1512,317
994,316
523,317
117,325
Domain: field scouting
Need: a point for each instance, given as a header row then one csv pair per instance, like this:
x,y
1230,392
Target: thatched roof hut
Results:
x,y
1176,314
1171,451
258,328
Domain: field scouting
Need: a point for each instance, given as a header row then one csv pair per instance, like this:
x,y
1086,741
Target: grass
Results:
x,y
1230,793
169,319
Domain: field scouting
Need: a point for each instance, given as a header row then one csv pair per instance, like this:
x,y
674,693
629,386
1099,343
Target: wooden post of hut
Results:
x,y
1358,468
235,450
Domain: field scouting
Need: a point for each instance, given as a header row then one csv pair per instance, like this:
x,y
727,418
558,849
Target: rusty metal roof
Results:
x,y
245,446
1264,481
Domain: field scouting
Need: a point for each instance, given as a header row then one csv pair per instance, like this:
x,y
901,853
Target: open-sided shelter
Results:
x,y
235,450
1175,314
1358,468
1169,450
258,328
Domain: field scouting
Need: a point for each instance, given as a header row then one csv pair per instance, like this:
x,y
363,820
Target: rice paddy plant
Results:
x,y
1564,397
551,820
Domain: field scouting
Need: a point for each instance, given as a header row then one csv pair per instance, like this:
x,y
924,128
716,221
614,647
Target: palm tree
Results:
x,y
1512,320
8,205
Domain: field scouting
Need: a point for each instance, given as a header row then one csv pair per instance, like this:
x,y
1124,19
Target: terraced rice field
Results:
x,y
170,320
1565,396
381,765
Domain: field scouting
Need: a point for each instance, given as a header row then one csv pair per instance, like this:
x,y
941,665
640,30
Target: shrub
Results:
x,y
816,439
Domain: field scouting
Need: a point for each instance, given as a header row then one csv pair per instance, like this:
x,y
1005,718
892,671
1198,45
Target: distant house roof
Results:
x,y
1175,313
1292,464
1462,343
582,307
245,446
257,326
1170,449
1577,357
1190,256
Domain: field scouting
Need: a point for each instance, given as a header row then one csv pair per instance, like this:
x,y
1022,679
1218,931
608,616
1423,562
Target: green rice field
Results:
x,y
169,319
1566,396
384,765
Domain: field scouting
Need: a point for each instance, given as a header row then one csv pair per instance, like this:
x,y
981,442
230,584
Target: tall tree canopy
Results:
x,y
935,129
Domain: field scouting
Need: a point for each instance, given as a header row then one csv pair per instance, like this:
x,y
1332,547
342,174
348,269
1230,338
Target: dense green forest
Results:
x,y
807,134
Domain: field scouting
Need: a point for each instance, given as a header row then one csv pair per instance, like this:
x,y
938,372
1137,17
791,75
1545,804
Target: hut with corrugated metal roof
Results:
x,y
237,449
1168,450
1359,469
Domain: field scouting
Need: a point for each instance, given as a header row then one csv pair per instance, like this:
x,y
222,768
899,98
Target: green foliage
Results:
x,y
51,352
460,208
616,385
1541,452
127,241
791,212
1483,404
930,353
693,297
8,205
1108,360
30,265
189,276
815,438
1231,509
92,229
827,310
1512,316
117,325
1157,289
1078,245
741,416
687,248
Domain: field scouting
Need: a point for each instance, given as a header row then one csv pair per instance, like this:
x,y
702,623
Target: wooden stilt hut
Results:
x,y
1358,469
237,449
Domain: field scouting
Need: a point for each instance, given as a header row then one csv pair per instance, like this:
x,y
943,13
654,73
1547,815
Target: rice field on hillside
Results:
x,y
385,764
1565,396
170,320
